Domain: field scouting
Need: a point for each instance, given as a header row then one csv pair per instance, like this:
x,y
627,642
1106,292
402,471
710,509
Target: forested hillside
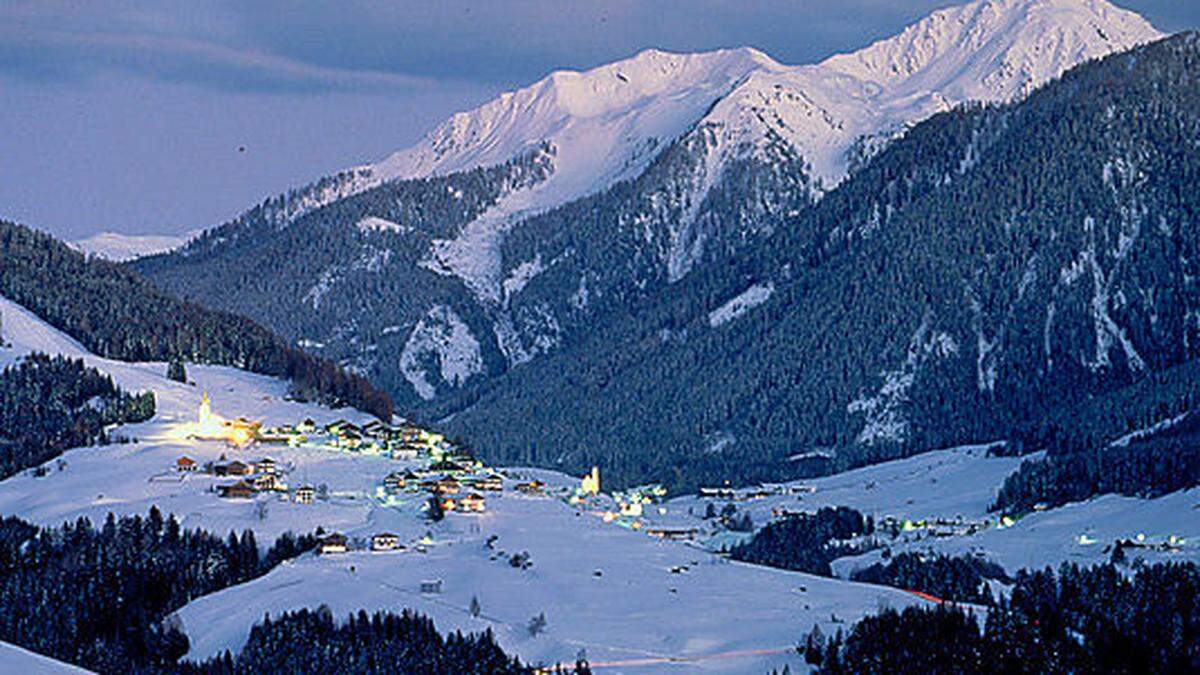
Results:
x,y
50,404
347,279
97,597
116,313
997,269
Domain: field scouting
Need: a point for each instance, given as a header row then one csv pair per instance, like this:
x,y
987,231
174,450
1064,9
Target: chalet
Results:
x,y
238,490
349,438
446,486
410,434
374,429
234,468
185,464
394,482
533,487
673,533
718,492
275,436
305,494
408,452
431,586
385,541
266,482
334,543
449,504
307,426
266,465
472,503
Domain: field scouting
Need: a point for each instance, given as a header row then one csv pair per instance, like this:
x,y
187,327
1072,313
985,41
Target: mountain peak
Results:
x,y
1008,46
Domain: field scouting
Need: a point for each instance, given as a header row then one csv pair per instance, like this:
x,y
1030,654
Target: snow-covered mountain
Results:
x,y
119,247
605,124
519,219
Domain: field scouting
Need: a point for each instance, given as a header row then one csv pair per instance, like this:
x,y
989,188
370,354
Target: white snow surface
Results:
x,y
717,617
373,224
119,247
444,336
740,304
14,659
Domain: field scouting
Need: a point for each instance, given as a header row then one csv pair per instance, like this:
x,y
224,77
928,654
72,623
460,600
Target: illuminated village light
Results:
x,y
213,427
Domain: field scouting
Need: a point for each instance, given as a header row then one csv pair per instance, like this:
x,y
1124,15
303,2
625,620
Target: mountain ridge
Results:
x,y
436,286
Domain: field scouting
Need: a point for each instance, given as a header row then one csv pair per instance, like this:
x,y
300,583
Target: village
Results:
x,y
434,476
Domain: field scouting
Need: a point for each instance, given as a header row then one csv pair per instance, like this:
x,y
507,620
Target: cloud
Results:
x,y
59,53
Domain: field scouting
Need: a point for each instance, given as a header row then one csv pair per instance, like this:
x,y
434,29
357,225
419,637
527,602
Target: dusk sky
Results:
x,y
129,116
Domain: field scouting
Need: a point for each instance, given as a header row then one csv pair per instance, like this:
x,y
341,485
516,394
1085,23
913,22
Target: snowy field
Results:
x,y
957,486
605,590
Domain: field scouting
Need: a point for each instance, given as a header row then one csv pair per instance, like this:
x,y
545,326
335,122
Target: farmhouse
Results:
x,y
385,541
533,487
238,490
395,482
234,468
266,482
406,452
334,543
490,482
446,486
447,466
472,503
304,494
673,533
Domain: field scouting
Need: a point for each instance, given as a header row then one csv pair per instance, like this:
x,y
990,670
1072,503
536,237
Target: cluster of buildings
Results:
x,y
750,494
337,542
457,481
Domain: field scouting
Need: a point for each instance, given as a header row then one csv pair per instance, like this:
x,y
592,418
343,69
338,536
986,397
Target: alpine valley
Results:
x,y
978,229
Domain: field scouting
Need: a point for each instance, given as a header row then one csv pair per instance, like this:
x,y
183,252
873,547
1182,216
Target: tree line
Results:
x,y
1099,619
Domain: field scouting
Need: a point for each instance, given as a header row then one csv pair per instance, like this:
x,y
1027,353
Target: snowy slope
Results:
x,y
958,485
121,247
14,659
719,617
637,615
125,478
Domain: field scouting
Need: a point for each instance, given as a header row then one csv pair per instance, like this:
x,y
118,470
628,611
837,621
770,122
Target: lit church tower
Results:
x,y
205,410
591,482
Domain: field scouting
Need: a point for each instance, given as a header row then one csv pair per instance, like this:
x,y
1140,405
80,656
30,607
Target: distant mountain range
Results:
x,y
721,258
